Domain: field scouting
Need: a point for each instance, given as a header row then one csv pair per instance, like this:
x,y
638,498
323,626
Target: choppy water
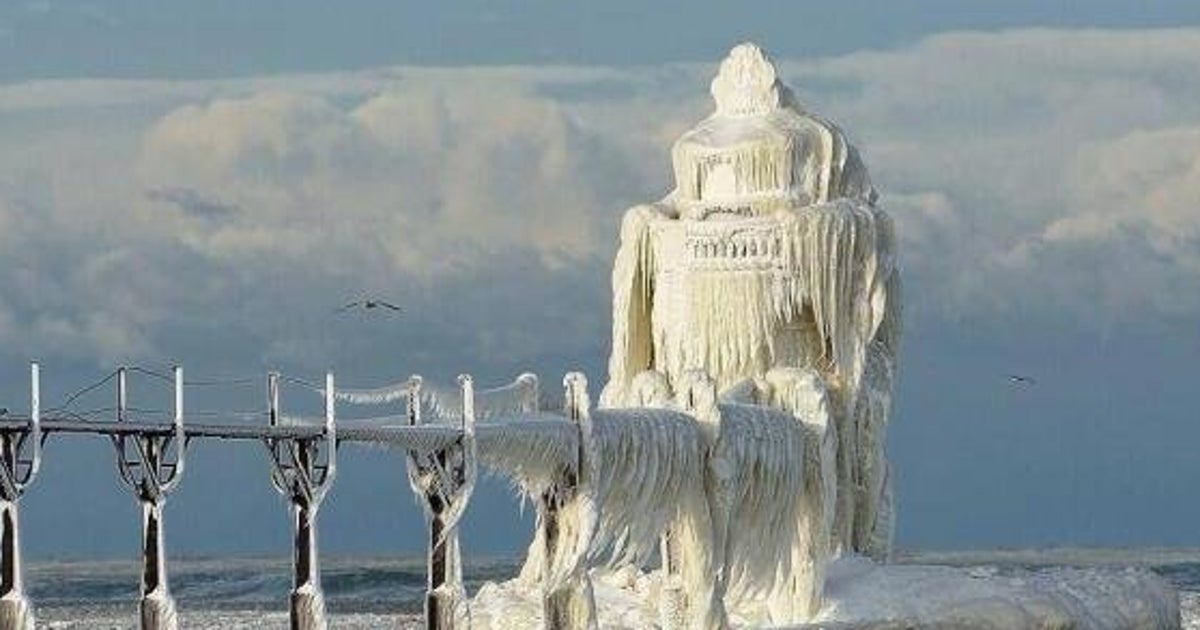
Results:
x,y
239,592
372,593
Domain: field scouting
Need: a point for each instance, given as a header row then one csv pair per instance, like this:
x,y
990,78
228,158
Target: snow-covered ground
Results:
x,y
862,594
984,597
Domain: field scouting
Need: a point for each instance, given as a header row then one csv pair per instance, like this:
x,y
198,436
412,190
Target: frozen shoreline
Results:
x,y
862,594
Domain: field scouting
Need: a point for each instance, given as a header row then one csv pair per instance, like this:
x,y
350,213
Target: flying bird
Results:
x,y
370,304
1017,379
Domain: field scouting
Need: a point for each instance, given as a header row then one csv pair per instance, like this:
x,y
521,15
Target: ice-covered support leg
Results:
x,y
883,530
15,610
157,607
567,518
798,597
151,464
444,481
302,470
695,547
842,536
445,596
20,458
672,602
306,604
872,533
531,393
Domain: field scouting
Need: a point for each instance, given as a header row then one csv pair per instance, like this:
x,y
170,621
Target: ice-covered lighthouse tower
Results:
x,y
768,262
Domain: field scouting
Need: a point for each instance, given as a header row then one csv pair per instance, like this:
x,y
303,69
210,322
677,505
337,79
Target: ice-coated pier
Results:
x,y
446,435
303,462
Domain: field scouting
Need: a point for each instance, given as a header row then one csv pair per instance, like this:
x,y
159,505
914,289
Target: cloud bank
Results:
x,y
1035,173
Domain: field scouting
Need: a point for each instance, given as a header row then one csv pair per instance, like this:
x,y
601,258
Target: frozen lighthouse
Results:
x,y
733,473
768,267
741,431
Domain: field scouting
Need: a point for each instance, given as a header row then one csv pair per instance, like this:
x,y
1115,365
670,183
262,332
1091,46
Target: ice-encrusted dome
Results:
x,y
759,149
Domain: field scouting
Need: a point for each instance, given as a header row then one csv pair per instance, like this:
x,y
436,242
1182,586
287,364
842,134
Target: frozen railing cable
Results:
x,y
70,399
376,396
371,396
232,415
306,384
513,399
442,404
169,380
204,382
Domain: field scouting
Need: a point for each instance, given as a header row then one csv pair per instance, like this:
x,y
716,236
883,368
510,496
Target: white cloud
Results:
x,y
1057,169
425,179
1068,159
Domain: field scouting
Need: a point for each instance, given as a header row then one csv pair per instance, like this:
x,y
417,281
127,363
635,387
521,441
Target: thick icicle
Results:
x,y
649,462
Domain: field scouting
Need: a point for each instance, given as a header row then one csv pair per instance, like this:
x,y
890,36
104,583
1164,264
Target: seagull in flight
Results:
x,y
370,304
1018,379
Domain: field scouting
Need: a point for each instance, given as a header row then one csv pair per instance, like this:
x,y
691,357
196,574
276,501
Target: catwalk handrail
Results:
x,y
228,431
420,438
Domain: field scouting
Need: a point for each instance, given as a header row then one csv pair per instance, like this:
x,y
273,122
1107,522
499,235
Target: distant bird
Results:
x,y
369,304
1017,379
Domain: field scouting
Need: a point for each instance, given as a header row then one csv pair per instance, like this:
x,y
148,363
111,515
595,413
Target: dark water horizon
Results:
x,y
225,591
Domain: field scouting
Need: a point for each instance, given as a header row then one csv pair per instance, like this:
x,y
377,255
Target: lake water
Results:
x,y
384,592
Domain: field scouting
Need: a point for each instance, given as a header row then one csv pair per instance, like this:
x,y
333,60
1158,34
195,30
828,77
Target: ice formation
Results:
x,y
769,254
863,594
739,442
760,301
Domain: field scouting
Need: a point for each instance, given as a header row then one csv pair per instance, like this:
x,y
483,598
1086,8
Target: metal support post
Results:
x,y
567,599
20,458
151,465
302,470
444,481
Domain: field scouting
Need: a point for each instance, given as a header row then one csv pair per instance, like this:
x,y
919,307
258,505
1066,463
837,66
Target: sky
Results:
x,y
205,183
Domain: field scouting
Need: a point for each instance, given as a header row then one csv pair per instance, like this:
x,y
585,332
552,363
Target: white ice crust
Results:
x,y
863,594
739,441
